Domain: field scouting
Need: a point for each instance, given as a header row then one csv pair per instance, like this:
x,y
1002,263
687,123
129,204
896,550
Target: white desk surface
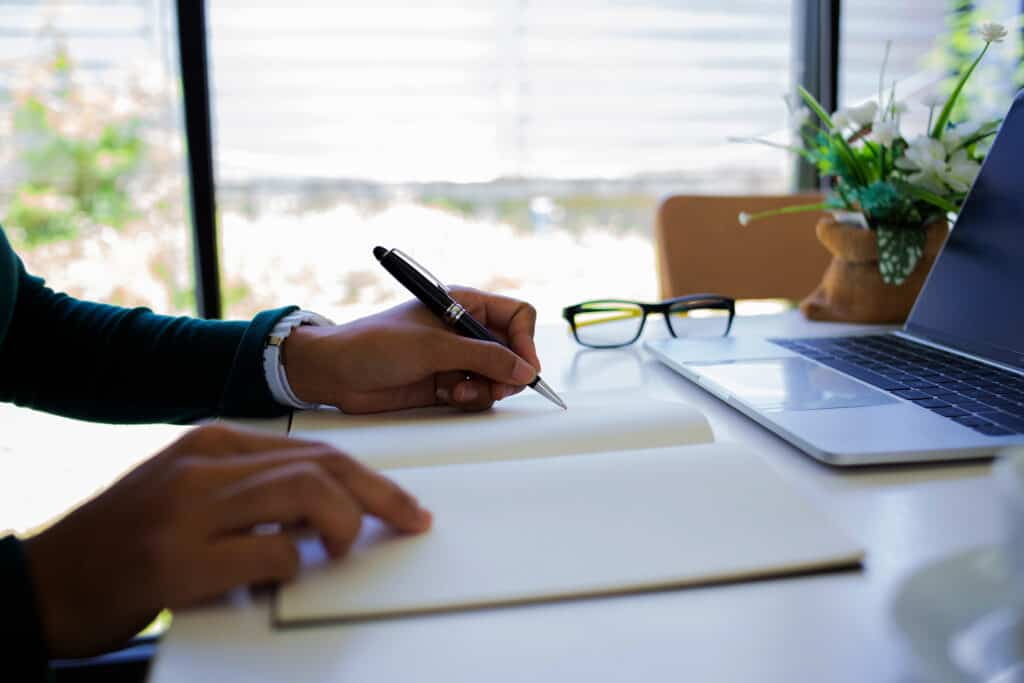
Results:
x,y
831,627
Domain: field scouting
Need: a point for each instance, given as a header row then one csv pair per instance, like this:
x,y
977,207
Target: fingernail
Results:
x,y
466,392
442,394
424,516
523,373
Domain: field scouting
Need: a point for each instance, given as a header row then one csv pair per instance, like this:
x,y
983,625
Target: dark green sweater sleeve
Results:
x,y
23,654
104,363
109,364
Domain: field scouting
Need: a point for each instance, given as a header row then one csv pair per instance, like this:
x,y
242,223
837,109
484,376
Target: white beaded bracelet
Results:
x,y
273,368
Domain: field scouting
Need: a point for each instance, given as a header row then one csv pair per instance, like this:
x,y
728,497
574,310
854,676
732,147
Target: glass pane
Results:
x,y
932,42
512,145
92,178
92,197
698,322
608,323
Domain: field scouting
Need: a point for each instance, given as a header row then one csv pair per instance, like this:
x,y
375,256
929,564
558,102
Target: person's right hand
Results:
x,y
180,529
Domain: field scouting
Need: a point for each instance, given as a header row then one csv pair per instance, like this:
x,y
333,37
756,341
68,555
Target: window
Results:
x,y
511,145
92,197
91,182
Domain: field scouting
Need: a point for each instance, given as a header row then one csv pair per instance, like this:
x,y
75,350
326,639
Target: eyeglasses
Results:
x,y
608,323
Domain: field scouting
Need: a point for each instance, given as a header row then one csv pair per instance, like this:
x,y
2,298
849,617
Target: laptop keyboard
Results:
x,y
979,396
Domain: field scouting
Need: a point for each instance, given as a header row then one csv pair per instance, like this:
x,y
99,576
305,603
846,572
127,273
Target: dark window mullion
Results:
x,y
819,67
196,91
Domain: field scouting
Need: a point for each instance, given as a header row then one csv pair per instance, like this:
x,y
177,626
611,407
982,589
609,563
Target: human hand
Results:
x,y
405,357
179,529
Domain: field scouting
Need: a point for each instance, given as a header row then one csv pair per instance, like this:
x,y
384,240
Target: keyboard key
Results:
x,y
992,430
873,378
974,392
932,403
928,375
1004,405
969,405
944,395
971,420
922,385
951,411
1009,421
911,394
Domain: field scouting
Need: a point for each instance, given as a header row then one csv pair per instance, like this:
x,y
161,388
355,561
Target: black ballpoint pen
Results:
x,y
434,295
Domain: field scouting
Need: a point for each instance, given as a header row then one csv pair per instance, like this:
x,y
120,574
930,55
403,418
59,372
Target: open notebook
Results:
x,y
640,501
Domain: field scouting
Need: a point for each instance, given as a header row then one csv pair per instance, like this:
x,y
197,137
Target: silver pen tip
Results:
x,y
542,388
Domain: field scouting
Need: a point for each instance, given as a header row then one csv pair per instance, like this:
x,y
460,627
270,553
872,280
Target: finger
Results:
x,y
217,438
373,492
489,359
473,394
514,320
466,392
502,391
243,560
296,492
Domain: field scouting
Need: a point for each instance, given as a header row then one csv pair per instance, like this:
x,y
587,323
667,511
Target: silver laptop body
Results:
x,y
972,306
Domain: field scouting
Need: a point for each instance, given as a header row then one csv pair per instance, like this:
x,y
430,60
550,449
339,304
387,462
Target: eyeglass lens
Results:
x,y
699,322
608,323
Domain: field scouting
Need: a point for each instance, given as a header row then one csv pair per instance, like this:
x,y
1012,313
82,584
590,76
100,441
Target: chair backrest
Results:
x,y
701,247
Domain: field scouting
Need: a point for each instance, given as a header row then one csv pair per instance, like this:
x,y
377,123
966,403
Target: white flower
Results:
x,y
933,99
863,114
954,137
899,108
961,171
925,158
991,32
885,132
744,218
840,120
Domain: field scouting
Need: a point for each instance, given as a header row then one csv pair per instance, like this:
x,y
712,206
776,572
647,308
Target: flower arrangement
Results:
x,y
895,187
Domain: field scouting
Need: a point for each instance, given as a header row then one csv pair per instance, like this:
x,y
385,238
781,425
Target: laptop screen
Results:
x,y
972,299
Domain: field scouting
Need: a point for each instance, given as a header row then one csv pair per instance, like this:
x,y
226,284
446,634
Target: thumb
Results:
x,y
489,359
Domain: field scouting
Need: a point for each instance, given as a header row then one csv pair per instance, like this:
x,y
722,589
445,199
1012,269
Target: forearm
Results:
x,y
110,364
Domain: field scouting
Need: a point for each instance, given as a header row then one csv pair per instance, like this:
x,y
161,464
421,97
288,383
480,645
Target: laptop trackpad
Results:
x,y
789,384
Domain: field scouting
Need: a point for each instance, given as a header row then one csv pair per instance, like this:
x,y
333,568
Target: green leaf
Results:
x,y
836,140
884,204
947,110
899,251
925,196
816,107
797,208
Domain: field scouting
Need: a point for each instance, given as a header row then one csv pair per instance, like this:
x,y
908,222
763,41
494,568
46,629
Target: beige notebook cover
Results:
x,y
524,426
532,530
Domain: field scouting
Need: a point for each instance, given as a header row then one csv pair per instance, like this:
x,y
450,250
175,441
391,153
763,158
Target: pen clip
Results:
x,y
422,271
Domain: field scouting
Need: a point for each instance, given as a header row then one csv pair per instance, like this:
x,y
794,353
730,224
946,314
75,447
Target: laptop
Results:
x,y
949,385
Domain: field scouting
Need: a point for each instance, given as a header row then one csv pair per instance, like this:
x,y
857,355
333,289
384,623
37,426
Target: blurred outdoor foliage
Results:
x,y
989,92
87,151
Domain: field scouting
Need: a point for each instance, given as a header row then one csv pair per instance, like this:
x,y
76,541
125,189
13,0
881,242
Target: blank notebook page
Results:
x,y
524,426
530,530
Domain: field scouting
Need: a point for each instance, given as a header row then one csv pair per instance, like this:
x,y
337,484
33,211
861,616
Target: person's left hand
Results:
x,y
405,357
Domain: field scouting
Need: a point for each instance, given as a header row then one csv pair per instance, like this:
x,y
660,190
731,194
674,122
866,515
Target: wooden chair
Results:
x,y
701,247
